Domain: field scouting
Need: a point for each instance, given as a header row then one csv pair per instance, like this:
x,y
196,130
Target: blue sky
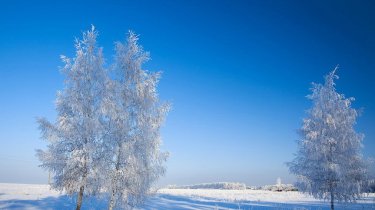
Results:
x,y
236,72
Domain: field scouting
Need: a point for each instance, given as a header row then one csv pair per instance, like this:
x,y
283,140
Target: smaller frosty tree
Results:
x,y
329,164
73,153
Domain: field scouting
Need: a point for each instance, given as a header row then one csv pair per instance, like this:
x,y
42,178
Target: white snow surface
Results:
x,y
30,197
241,195
26,192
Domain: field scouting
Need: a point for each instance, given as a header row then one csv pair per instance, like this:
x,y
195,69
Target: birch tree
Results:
x,y
135,115
329,164
72,154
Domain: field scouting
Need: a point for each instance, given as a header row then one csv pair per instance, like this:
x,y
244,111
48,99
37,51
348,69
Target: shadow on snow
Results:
x,y
170,202
52,203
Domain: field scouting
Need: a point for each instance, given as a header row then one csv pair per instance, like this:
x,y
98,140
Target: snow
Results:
x,y
241,195
30,197
26,191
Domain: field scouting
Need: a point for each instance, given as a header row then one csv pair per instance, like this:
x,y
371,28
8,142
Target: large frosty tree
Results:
x,y
329,164
132,134
72,154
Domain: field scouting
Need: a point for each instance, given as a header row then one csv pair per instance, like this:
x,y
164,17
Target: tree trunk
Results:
x,y
332,177
114,181
80,195
332,199
84,176
112,201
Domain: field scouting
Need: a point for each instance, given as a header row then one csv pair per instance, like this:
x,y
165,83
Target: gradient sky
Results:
x,y
236,72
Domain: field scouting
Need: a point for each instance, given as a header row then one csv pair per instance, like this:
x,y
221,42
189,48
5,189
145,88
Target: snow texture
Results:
x,y
31,197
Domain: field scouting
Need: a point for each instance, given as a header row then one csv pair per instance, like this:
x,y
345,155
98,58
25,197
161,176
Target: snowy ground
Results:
x,y
24,196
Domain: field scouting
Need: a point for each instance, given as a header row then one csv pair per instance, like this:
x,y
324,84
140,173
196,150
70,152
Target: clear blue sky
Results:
x,y
237,73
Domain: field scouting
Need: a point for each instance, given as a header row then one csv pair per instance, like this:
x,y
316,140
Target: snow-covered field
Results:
x,y
25,196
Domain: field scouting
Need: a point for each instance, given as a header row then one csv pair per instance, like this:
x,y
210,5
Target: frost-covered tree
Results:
x,y
72,155
132,134
329,164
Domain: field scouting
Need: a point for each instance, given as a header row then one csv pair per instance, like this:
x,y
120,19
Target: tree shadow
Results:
x,y
170,202
53,203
